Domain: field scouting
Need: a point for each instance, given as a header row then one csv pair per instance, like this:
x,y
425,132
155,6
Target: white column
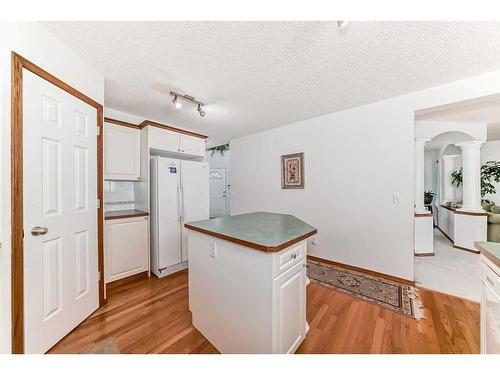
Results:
x,y
471,164
448,190
419,175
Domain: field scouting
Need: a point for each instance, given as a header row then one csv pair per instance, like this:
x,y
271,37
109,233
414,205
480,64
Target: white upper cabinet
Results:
x,y
122,152
192,145
167,140
164,140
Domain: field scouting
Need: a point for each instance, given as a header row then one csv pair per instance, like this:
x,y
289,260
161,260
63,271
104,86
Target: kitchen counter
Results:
x,y
490,250
122,214
265,231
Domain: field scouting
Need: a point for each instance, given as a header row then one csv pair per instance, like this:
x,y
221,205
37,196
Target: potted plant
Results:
x,y
490,171
428,195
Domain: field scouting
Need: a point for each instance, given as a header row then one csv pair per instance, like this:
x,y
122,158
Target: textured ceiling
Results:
x,y
259,75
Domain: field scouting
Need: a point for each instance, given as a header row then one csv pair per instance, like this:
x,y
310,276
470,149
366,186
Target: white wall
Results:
x,y
33,42
355,160
431,129
491,151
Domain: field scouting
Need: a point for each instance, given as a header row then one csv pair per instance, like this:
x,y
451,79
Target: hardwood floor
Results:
x,y
152,316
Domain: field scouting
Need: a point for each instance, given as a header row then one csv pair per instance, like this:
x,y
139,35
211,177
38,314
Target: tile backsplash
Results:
x,y
118,195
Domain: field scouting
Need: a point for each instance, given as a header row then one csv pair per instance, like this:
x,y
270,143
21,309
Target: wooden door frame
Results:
x,y
17,224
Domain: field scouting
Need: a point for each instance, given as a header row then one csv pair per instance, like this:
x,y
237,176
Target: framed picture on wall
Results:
x,y
292,171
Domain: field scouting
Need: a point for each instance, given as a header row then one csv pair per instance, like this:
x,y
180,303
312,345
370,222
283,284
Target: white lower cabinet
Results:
x,y
289,313
490,307
125,247
244,300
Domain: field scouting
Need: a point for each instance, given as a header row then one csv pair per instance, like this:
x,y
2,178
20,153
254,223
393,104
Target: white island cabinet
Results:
x,y
490,296
247,281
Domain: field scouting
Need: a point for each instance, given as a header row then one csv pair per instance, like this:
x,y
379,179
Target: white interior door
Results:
x,y
194,188
218,192
60,212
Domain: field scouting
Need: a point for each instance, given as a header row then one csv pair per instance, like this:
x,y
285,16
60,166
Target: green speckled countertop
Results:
x,y
490,250
263,231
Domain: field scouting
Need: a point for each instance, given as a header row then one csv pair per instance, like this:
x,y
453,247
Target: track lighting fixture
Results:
x,y
176,102
187,98
201,111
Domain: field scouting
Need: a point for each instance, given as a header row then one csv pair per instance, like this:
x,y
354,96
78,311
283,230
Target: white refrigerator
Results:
x,y
179,194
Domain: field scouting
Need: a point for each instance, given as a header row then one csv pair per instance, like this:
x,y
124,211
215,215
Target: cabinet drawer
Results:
x,y
289,257
490,277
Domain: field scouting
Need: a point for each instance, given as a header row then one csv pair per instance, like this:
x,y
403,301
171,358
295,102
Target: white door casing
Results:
x,y
218,192
60,194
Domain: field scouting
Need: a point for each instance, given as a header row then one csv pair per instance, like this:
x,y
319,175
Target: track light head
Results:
x,y
200,111
176,102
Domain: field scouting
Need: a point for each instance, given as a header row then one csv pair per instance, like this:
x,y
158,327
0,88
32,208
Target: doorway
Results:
x,y
218,192
57,254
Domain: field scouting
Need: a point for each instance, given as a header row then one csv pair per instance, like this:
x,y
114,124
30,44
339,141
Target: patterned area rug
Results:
x,y
398,297
106,346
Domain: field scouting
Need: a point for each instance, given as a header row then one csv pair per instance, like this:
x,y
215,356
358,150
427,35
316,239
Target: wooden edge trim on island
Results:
x,y
424,254
424,215
267,249
125,216
18,63
488,255
127,280
171,128
362,270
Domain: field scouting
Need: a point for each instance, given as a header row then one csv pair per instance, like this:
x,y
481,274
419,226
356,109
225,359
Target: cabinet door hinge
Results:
x,y
99,276
98,131
98,203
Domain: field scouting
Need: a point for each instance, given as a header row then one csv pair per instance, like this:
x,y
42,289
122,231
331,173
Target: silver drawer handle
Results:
x,y
39,231
293,256
490,281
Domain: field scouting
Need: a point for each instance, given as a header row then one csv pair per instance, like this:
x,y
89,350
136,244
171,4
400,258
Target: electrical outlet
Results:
x,y
213,250
314,241
396,198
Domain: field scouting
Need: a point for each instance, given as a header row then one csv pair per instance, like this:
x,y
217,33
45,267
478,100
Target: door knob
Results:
x,y
39,231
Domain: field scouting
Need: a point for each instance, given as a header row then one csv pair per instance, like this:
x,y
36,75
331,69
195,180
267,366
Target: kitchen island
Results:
x,y
247,281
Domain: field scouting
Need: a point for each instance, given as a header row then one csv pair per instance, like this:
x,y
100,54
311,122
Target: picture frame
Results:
x,y
292,171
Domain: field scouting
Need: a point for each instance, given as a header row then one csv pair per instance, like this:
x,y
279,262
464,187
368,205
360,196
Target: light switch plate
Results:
x,y
213,250
396,198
